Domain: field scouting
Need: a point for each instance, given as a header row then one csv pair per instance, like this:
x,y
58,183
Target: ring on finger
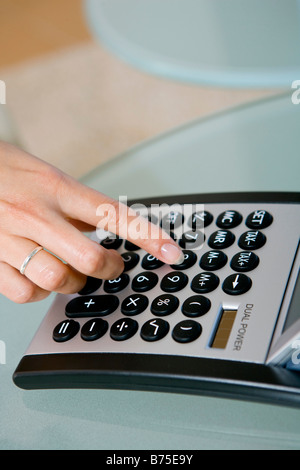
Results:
x,y
29,258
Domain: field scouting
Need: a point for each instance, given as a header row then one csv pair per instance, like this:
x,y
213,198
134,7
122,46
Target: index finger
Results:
x,y
87,205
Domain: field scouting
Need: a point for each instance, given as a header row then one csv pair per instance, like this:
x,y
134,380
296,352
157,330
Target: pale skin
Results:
x,y
42,206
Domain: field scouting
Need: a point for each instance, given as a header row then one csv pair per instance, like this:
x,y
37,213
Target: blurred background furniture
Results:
x,y
235,43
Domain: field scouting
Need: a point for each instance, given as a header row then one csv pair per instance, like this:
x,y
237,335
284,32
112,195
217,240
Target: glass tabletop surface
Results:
x,y
254,147
248,148
236,43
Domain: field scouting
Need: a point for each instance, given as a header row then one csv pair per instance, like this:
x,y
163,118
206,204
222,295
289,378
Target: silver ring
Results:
x,y
29,258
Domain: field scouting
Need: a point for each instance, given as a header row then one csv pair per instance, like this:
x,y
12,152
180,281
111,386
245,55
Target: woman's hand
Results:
x,y
41,206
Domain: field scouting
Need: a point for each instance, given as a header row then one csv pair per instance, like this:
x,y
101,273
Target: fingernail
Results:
x,y
172,254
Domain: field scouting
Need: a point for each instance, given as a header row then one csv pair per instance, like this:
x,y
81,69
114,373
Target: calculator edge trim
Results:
x,y
160,373
275,197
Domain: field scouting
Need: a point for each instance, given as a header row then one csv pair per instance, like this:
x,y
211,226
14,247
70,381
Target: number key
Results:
x,y
190,259
130,259
116,285
144,281
174,281
150,262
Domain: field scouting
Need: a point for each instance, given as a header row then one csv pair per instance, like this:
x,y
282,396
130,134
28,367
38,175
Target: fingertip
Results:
x,y
172,254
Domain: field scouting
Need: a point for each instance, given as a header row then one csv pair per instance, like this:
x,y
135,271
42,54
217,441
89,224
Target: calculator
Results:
x,y
224,323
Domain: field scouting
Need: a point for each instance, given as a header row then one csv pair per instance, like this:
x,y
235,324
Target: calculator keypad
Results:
x,y
139,287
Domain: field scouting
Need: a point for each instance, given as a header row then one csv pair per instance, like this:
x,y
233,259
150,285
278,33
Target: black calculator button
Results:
x,y
221,239
154,330
94,329
196,306
123,329
129,246
192,239
237,284
204,283
92,284
186,331
174,281
190,259
259,219
164,304
173,235
229,219
213,260
173,219
65,330
116,285
130,259
200,219
244,261
150,262
134,304
112,242
144,281
252,240
97,305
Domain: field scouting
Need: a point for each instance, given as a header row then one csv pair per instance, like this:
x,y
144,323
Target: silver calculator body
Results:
x,y
227,324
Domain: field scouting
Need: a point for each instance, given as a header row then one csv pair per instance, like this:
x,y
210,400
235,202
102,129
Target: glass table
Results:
x,y
251,148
